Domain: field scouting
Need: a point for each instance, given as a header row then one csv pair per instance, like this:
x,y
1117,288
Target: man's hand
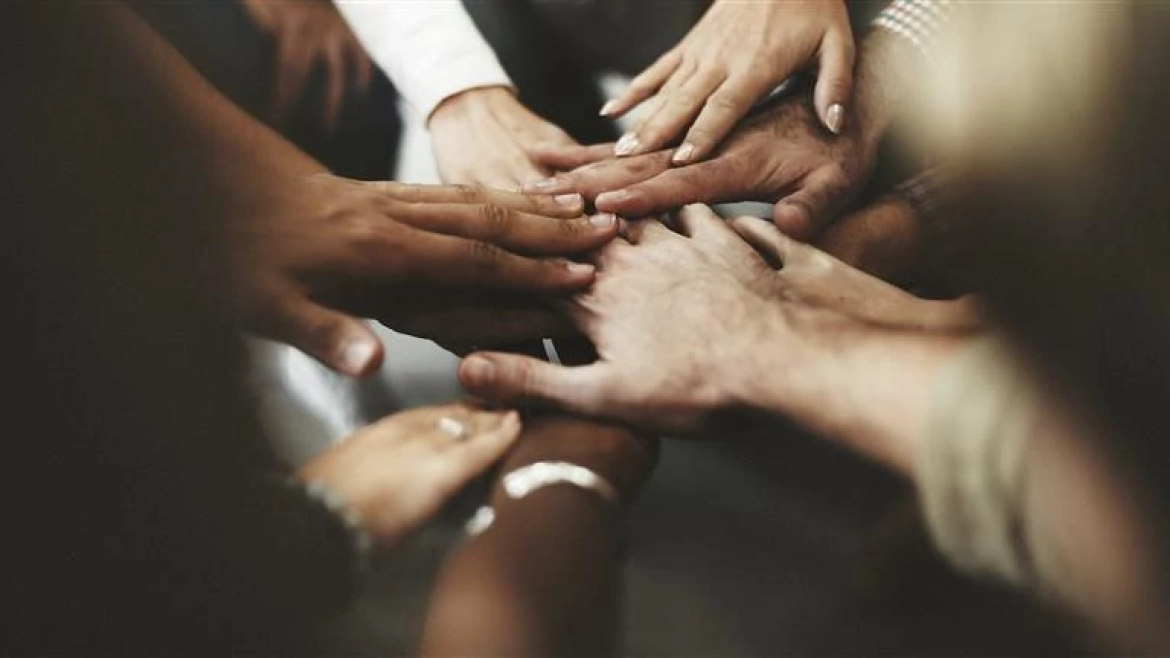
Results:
x,y
458,265
783,156
397,473
734,56
308,32
682,323
674,320
487,137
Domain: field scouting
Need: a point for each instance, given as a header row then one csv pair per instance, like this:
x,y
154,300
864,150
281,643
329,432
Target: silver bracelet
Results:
x,y
528,479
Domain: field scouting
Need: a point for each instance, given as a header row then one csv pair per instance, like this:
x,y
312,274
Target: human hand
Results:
x,y
428,260
815,278
675,321
397,473
736,54
782,156
487,137
307,32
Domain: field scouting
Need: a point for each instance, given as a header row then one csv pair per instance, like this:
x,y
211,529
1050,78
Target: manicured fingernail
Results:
x,y
357,355
608,108
603,221
569,200
540,185
579,268
626,145
684,153
835,117
478,371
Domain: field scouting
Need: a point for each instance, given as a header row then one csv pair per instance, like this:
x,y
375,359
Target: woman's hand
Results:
x,y
734,56
308,32
780,156
398,472
487,137
454,264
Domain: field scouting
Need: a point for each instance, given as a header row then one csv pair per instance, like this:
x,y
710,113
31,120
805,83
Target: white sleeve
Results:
x,y
430,49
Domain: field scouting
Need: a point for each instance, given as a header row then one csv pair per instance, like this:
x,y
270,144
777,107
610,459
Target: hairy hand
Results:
x,y
783,156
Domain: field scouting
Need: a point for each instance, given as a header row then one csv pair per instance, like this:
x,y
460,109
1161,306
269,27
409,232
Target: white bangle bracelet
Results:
x,y
528,479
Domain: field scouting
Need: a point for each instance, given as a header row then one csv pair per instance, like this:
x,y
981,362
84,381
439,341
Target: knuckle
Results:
x,y
496,222
465,193
725,103
485,255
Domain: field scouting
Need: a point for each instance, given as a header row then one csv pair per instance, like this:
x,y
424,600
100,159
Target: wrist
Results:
x,y
468,104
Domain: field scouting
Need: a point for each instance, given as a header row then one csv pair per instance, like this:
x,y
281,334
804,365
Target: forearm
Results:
x,y
543,579
142,84
868,388
430,50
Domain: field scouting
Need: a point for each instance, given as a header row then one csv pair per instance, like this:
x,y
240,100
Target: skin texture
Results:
x,y
656,299
308,34
398,472
487,137
457,265
544,579
736,54
307,250
782,156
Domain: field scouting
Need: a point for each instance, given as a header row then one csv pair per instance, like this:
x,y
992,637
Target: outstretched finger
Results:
x,y
765,238
722,111
834,81
339,341
510,378
643,86
564,158
678,109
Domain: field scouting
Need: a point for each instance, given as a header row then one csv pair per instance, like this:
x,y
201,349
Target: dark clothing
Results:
x,y
137,517
222,42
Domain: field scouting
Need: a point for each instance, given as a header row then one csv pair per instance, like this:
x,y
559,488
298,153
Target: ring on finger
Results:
x,y
452,428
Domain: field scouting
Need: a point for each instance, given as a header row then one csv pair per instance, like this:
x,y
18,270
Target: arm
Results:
x,y
481,133
543,579
430,50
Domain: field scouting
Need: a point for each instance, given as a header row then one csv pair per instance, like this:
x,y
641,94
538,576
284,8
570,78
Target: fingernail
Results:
x,y
684,153
608,108
478,371
609,198
511,420
603,221
357,355
626,145
569,200
835,117
579,268
540,185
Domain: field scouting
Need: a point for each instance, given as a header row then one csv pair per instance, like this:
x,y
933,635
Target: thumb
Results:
x,y
801,214
834,82
341,342
517,379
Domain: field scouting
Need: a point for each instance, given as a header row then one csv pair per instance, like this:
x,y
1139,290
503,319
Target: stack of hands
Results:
x,y
476,266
